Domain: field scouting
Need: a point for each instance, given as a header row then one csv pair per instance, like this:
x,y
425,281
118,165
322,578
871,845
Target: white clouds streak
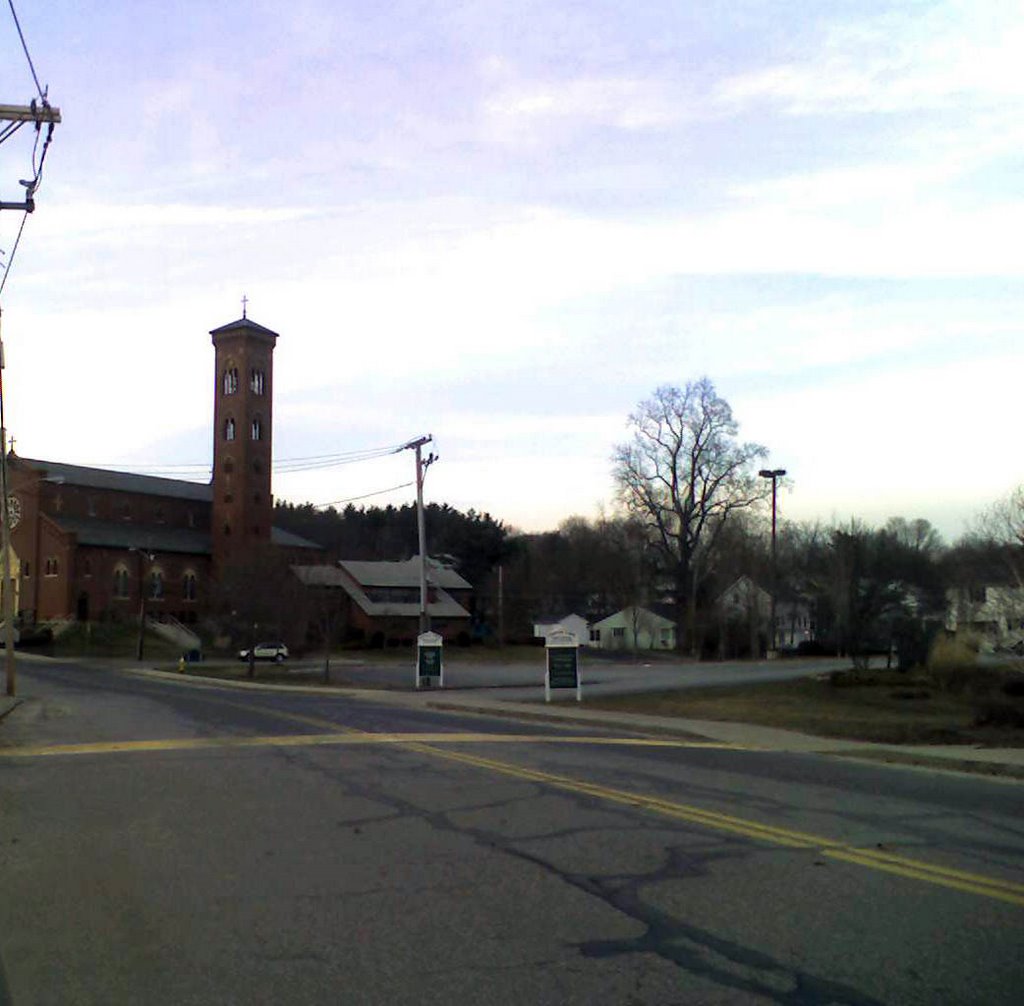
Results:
x,y
911,59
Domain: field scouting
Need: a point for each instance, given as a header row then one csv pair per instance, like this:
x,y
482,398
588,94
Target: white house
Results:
x,y
743,598
994,613
744,601
634,628
573,623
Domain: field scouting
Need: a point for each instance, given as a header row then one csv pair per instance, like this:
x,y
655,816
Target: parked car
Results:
x,y
266,651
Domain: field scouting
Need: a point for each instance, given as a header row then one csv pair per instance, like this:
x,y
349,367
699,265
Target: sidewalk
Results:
x,y
1007,762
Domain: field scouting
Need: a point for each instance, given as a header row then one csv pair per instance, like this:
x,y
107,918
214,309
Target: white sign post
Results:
x,y
563,663
429,662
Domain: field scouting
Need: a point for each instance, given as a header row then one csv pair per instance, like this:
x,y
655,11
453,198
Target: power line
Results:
x,y
314,462
352,499
14,250
24,46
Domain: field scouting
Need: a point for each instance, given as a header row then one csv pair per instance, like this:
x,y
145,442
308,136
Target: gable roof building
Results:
x,y
89,541
384,597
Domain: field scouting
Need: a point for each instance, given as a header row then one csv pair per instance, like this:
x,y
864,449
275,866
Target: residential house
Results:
x,y
576,624
992,612
634,628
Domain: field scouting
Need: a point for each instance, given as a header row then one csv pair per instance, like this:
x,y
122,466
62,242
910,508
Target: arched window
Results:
x,y
121,582
156,585
229,430
188,586
256,381
230,381
257,429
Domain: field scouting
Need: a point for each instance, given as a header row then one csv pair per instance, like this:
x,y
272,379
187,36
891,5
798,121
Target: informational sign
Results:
x,y
429,660
563,664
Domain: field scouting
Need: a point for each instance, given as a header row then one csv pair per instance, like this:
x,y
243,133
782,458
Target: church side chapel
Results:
x,y
89,543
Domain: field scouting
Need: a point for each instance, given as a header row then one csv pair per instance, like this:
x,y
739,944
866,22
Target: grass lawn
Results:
x,y
887,709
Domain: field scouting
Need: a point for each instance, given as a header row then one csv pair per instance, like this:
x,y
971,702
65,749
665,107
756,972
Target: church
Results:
x,y
90,543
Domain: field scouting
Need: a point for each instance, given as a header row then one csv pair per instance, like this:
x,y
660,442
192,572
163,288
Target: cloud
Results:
x,y
907,60
524,110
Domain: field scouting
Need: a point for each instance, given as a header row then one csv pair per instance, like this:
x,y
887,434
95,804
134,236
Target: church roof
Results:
x,y
120,534
103,478
279,536
244,325
156,537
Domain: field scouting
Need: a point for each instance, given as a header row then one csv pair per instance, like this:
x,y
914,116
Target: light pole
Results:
x,y
142,554
774,474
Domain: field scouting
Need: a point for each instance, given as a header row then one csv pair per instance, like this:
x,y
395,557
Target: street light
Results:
x,y
142,554
774,474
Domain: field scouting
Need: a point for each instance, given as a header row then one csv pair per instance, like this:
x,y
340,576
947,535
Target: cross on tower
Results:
x,y
245,301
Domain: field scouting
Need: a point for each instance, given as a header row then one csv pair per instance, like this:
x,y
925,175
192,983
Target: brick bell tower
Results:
x,y
243,507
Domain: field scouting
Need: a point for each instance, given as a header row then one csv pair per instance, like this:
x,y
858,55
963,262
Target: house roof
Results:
x,y
403,574
624,616
103,478
557,619
443,605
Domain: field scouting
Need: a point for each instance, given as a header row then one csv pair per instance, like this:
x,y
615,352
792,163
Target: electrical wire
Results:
x,y
313,462
10,129
14,250
24,46
352,499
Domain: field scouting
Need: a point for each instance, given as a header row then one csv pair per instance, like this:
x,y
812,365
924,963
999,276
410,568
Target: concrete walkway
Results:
x,y
999,761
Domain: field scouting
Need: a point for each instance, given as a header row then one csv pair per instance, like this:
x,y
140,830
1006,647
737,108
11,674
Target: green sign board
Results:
x,y
563,667
430,661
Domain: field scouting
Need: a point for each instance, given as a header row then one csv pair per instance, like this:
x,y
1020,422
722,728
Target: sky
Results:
x,y
506,223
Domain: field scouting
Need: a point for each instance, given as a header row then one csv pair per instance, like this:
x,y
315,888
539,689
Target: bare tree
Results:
x,y
683,475
1003,524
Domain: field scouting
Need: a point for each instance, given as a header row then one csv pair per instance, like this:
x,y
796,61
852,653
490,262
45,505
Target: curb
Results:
x,y
517,713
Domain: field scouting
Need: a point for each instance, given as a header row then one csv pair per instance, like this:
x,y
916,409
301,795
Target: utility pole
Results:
x,y
19,115
501,605
139,643
774,474
8,600
422,464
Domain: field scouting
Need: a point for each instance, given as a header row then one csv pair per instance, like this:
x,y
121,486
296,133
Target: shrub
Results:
x,y
952,652
999,714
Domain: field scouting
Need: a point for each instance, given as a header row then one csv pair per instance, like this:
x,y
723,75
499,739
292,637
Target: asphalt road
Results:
x,y
167,843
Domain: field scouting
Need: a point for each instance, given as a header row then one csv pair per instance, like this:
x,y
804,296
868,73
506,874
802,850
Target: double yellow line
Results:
x,y
911,869
435,745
